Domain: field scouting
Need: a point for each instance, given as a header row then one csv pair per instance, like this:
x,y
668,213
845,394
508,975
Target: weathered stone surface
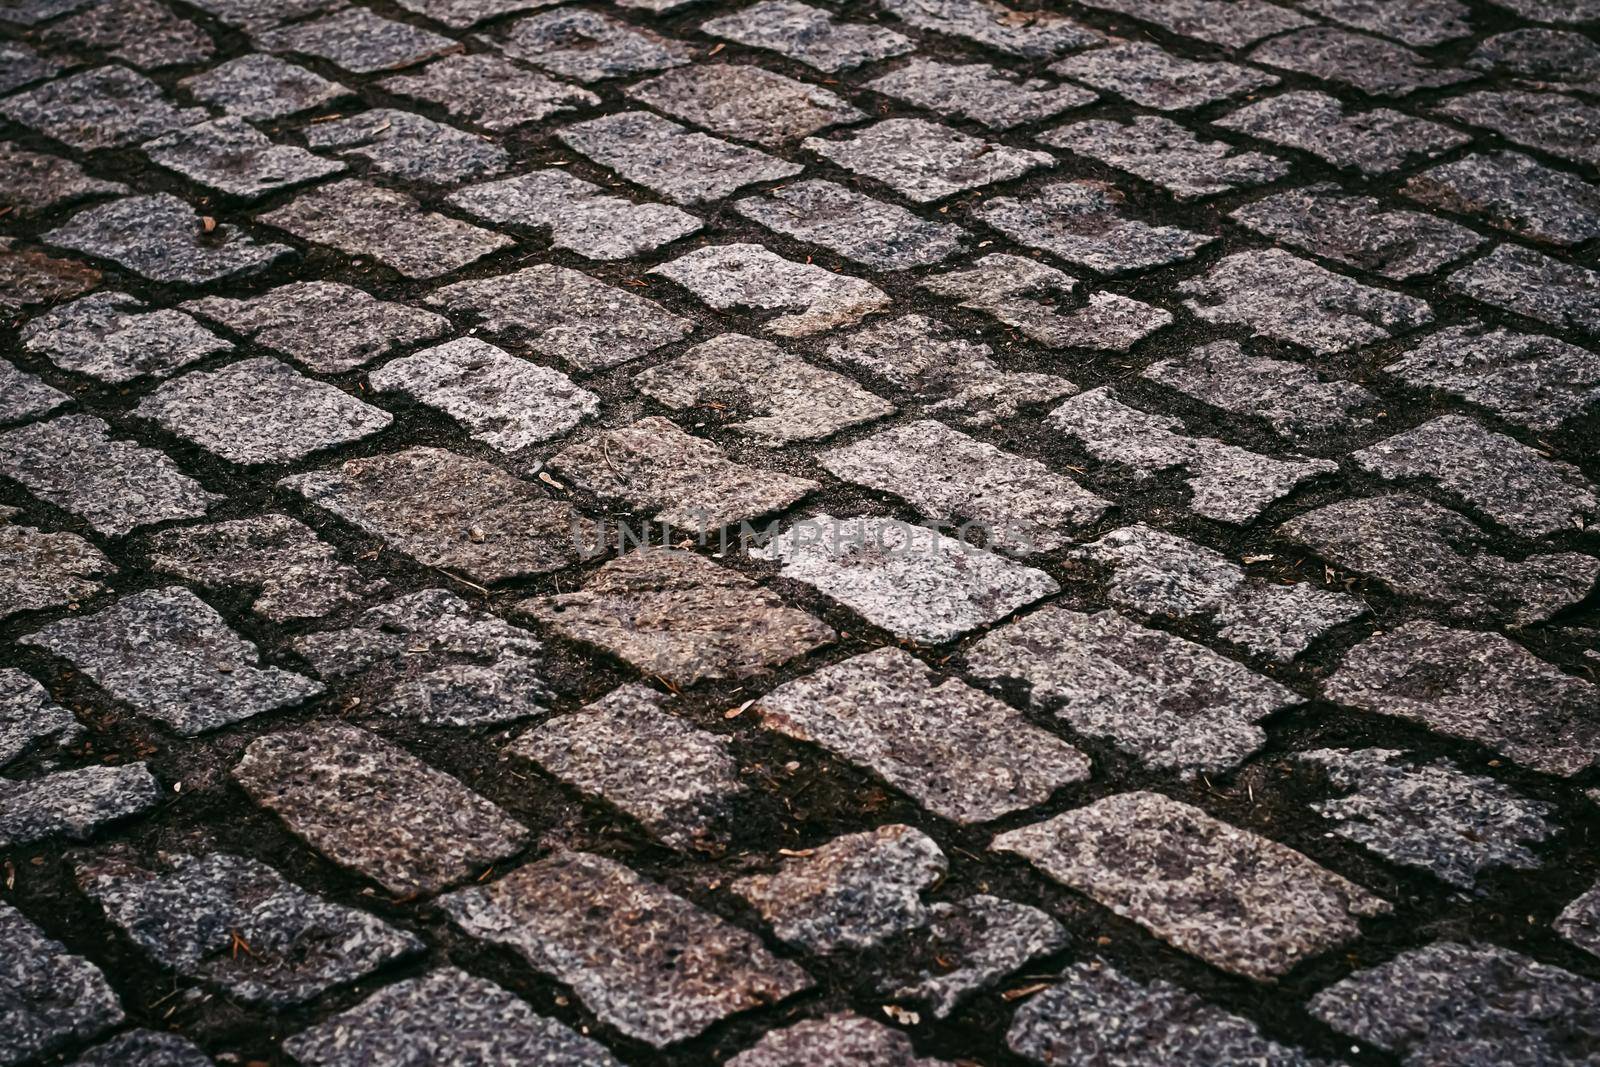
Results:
x,y
1082,223
505,402
1161,575
24,396
1520,280
258,86
461,14
633,752
32,183
1511,191
924,161
73,462
30,720
1022,505
1422,550
261,411
252,16
758,389
683,166
489,91
1504,479
448,1018
139,32
358,40
953,377
1549,122
190,914
1453,1003
578,214
326,327
1553,10
1432,816
1096,1011
20,65
808,34
854,892
587,46
114,338
1419,23
1579,922
995,98
448,511
73,804
967,947
28,278
751,276
565,314
1231,23
1161,151
1373,142
1477,686
684,481
681,618
960,753
1291,397
1374,66
881,236
747,103
1554,59
1226,483
108,107
165,240
148,1048
837,1039
362,220
45,570
643,959
1281,296
1358,231
1029,34
49,998
1239,901
913,581
409,147
1538,382
288,571
1149,76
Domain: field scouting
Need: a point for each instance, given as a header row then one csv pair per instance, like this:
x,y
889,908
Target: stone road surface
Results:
x,y
1168,432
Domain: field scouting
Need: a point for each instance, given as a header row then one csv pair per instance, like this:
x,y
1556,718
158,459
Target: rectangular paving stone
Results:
x,y
684,166
1149,76
588,46
1547,122
1372,65
810,35
49,998
1561,59
757,389
488,91
24,396
253,16
750,276
449,511
376,809
578,214
410,147
745,102
165,240
257,86
32,183
1083,223
74,804
1374,142
142,33
642,958
30,277
910,580
1230,23
189,913
233,157
1239,901
1165,153
1525,282
46,570
1419,23
1028,34
1512,192
678,617
114,338
505,402
987,95
30,721
925,161
358,40
958,752
108,107
879,235
116,485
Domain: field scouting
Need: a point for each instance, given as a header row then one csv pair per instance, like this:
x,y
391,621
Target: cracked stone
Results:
x,y
464,14
30,721
1549,122
1230,23
74,804
165,240
138,32
232,157
1082,223
1579,922
633,752
148,1048
262,87
47,570
1372,65
995,98
24,396
1152,77
750,276
925,161
489,91
642,958
840,1038
115,338
881,236
684,166
1373,142
410,147
747,103
505,402
1476,686
1419,23
1160,151
587,46
957,751
1029,34
580,216
171,657
1239,901
358,40
108,107
49,998
1531,283
189,913
757,389
32,183
809,35
1510,191
969,946
681,618
1552,59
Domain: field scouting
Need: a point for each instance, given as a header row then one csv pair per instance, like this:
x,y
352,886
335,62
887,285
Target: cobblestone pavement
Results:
x,y
1251,720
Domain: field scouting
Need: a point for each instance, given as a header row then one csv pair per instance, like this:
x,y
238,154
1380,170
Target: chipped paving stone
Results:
x,y
1028,34
73,804
684,166
1151,77
580,216
262,87
141,33
996,98
232,157
114,338
1231,23
47,570
1373,142
21,65
1579,922
32,183
408,147
1082,223
809,34
1547,122
969,946
1372,65
1510,191
108,107
587,46
924,161
30,721
1160,151
252,16
1419,23
751,276
165,240
1525,282
1561,58
747,103
358,40
49,998
489,91
462,14
879,235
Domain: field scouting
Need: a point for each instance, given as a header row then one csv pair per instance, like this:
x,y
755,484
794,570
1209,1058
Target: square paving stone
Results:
x,y
253,16
190,913
957,751
1373,142
1083,223
587,46
1372,65
142,33
410,147
108,107
376,809
1021,506
1028,34
445,510
683,166
745,102
261,87
579,215
326,327
447,1018
165,240
1549,122
358,40
1165,153
362,220
881,236
652,466
462,14
1149,76
681,618
489,91
114,338
1419,23
1525,282
565,314
232,157
1173,704
1239,901
49,998
1282,296
505,402
32,183
995,98
757,389
840,1034
810,35
749,276
170,656
633,752
74,804
924,161
47,570
73,462
261,411
24,396
30,721
1510,191
642,958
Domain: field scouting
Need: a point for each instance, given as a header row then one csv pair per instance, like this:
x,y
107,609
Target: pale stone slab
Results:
x,y
491,92
165,240
1296,401
1230,23
32,183
1579,922
41,570
745,102
1373,142
1152,77
114,338
1525,282
995,98
358,40
969,946
73,804
684,166
49,998
108,107
588,46
409,147
750,276
1510,191
29,720
1033,34
811,35
924,161
578,214
259,86
1370,64
1083,223
1167,154
879,235
840,1038
24,396
232,157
